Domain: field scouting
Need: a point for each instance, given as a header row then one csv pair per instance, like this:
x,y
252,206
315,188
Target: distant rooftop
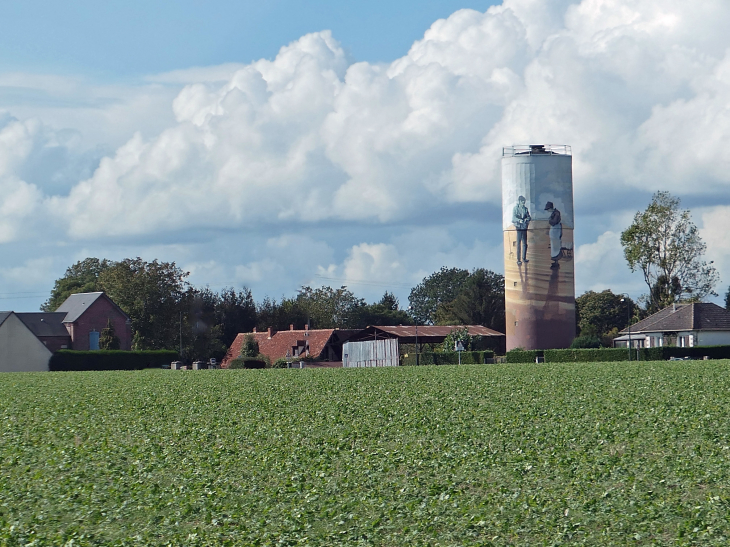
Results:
x,y
537,150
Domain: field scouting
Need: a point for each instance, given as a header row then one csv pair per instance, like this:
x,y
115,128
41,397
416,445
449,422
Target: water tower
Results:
x,y
537,219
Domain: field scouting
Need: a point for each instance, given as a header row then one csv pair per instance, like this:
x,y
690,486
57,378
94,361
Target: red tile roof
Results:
x,y
282,342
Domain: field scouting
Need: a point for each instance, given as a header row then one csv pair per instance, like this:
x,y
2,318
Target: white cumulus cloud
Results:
x,y
639,88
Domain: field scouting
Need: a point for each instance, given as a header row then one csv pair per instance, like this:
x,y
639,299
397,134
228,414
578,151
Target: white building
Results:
x,y
20,348
681,325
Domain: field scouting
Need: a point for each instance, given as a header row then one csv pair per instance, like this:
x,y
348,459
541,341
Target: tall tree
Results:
x,y
235,312
665,245
480,301
384,312
108,338
389,301
329,308
279,315
603,314
79,278
154,295
439,287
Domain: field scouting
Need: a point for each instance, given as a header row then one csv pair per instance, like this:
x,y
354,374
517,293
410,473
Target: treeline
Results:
x,y
167,312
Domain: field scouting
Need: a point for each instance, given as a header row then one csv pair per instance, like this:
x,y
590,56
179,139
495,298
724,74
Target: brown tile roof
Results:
x,y
426,333
685,317
282,342
437,330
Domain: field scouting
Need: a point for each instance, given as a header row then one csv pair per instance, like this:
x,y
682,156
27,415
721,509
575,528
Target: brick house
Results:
x,y
86,314
320,344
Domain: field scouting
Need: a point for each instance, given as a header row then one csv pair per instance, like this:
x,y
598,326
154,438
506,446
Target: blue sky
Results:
x,y
122,39
280,144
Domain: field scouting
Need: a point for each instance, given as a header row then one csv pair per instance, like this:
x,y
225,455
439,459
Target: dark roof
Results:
x,y
77,304
4,315
45,324
685,317
425,333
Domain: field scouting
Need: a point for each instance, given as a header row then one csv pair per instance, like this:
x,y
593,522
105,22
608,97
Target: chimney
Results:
x,y
254,329
306,327
674,307
271,332
291,327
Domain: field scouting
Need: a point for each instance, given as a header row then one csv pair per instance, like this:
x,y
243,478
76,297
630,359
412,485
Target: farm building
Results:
x,y
327,344
682,325
320,344
20,349
427,334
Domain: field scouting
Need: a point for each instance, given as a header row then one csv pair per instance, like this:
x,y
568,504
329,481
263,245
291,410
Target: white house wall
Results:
x,y
20,350
712,338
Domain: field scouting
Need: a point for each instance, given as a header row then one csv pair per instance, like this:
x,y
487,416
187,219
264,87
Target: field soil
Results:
x,y
573,454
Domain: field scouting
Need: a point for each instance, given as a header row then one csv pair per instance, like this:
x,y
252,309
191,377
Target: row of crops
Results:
x,y
473,455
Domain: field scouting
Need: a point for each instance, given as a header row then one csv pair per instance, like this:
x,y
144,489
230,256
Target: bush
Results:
x,y
250,347
67,360
448,358
281,362
522,356
642,354
697,352
587,355
247,362
586,342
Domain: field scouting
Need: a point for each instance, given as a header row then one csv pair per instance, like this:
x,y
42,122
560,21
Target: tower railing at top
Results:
x,y
537,150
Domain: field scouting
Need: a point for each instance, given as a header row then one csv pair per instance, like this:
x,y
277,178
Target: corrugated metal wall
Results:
x,y
375,353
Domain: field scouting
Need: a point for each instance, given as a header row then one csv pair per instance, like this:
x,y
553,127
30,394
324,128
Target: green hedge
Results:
x,y
697,352
584,355
448,358
522,356
617,354
247,362
66,359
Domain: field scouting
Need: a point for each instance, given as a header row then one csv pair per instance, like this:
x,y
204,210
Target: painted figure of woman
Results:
x,y
556,234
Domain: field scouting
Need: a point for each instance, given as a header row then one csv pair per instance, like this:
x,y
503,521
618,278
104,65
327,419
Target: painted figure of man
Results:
x,y
556,234
521,219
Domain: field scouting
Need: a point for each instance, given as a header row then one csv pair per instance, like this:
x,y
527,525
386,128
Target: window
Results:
x,y
93,340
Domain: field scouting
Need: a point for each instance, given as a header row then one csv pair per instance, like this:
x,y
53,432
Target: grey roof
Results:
x,y
685,317
4,315
76,304
44,323
638,336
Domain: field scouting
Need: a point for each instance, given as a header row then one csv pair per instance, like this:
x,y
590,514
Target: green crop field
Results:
x,y
599,454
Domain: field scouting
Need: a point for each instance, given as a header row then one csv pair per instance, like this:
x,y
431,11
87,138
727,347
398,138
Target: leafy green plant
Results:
x,y
522,356
515,454
108,338
460,334
71,360
250,347
247,362
586,342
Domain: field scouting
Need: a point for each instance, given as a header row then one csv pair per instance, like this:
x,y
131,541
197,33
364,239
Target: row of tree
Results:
x,y
167,312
